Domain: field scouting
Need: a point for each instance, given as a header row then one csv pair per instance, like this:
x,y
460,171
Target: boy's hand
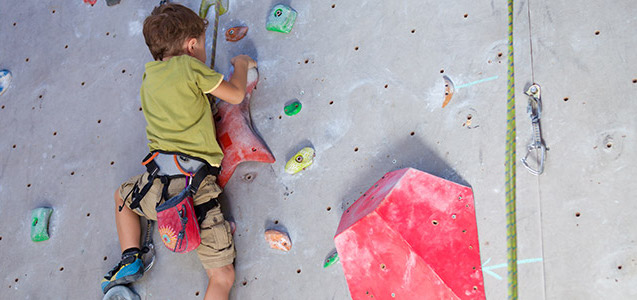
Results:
x,y
241,59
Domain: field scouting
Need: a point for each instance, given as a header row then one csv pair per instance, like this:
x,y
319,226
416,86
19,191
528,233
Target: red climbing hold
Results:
x,y
411,236
236,136
91,2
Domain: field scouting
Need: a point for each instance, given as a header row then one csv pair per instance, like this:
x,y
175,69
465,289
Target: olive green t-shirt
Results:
x,y
177,111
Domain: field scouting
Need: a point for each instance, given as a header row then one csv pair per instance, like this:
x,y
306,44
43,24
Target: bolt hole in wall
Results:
x,y
413,31
577,214
27,59
565,99
442,71
66,46
356,149
298,271
356,48
88,215
105,258
635,80
597,32
197,293
61,269
466,16
331,102
112,163
328,208
333,5
276,222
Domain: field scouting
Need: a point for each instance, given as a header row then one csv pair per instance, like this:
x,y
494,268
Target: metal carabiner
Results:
x,y
535,113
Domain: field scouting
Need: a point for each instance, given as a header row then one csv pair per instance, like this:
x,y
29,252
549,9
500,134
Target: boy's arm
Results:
x,y
233,91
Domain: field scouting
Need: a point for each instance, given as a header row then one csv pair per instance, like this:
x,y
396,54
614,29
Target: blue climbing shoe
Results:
x,y
128,270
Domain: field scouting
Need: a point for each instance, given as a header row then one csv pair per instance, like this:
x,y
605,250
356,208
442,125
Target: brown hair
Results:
x,y
169,26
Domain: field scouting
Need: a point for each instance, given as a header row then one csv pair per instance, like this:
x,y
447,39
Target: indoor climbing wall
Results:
x,y
371,79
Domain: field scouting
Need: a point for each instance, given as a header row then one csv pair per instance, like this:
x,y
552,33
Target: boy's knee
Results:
x,y
222,276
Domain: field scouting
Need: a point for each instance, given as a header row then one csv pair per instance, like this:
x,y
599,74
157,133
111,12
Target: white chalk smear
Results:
x,y
135,28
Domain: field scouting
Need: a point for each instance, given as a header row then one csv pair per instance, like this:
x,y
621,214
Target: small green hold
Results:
x,y
331,260
293,109
281,19
40,224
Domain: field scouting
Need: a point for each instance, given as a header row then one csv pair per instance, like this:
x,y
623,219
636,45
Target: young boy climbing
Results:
x,y
180,128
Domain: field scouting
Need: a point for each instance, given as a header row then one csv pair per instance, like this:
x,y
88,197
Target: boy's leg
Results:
x,y
128,225
220,281
130,268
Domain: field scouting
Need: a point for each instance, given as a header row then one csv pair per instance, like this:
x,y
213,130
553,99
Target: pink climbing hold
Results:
x,y
411,236
236,136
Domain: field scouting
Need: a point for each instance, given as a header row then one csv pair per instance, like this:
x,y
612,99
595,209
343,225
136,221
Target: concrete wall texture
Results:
x,y
369,76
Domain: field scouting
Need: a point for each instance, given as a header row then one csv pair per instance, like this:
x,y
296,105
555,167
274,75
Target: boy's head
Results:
x,y
173,29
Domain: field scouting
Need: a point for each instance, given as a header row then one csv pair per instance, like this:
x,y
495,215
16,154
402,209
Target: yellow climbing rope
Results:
x,y
512,256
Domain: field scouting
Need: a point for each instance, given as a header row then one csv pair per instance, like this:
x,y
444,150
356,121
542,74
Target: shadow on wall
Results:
x,y
409,153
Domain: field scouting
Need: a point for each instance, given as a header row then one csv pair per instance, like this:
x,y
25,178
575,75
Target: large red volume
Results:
x,y
411,236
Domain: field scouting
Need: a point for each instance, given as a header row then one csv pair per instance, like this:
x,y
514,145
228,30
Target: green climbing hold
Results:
x,y
281,18
331,260
293,109
40,224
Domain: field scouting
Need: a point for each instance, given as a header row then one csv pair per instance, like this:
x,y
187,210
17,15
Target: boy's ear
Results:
x,y
190,46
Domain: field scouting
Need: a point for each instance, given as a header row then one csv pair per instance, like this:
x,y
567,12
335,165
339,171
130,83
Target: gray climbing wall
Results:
x,y
369,76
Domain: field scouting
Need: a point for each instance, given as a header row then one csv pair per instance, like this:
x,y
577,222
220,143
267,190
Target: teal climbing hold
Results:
x,y
293,108
40,224
281,18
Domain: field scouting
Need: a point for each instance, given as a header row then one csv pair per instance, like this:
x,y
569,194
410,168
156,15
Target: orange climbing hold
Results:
x,y
236,33
278,240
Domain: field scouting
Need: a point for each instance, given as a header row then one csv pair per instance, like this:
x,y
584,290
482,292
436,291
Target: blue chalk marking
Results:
x,y
488,269
476,82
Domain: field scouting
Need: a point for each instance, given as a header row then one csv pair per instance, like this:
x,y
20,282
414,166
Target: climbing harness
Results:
x,y
512,242
535,112
166,166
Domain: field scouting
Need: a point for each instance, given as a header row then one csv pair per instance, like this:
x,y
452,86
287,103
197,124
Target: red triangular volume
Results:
x,y
236,137
411,236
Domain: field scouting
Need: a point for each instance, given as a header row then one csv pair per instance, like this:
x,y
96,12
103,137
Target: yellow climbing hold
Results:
x,y
301,160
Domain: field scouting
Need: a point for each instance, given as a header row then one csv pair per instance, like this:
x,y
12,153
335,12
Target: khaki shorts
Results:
x,y
217,246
